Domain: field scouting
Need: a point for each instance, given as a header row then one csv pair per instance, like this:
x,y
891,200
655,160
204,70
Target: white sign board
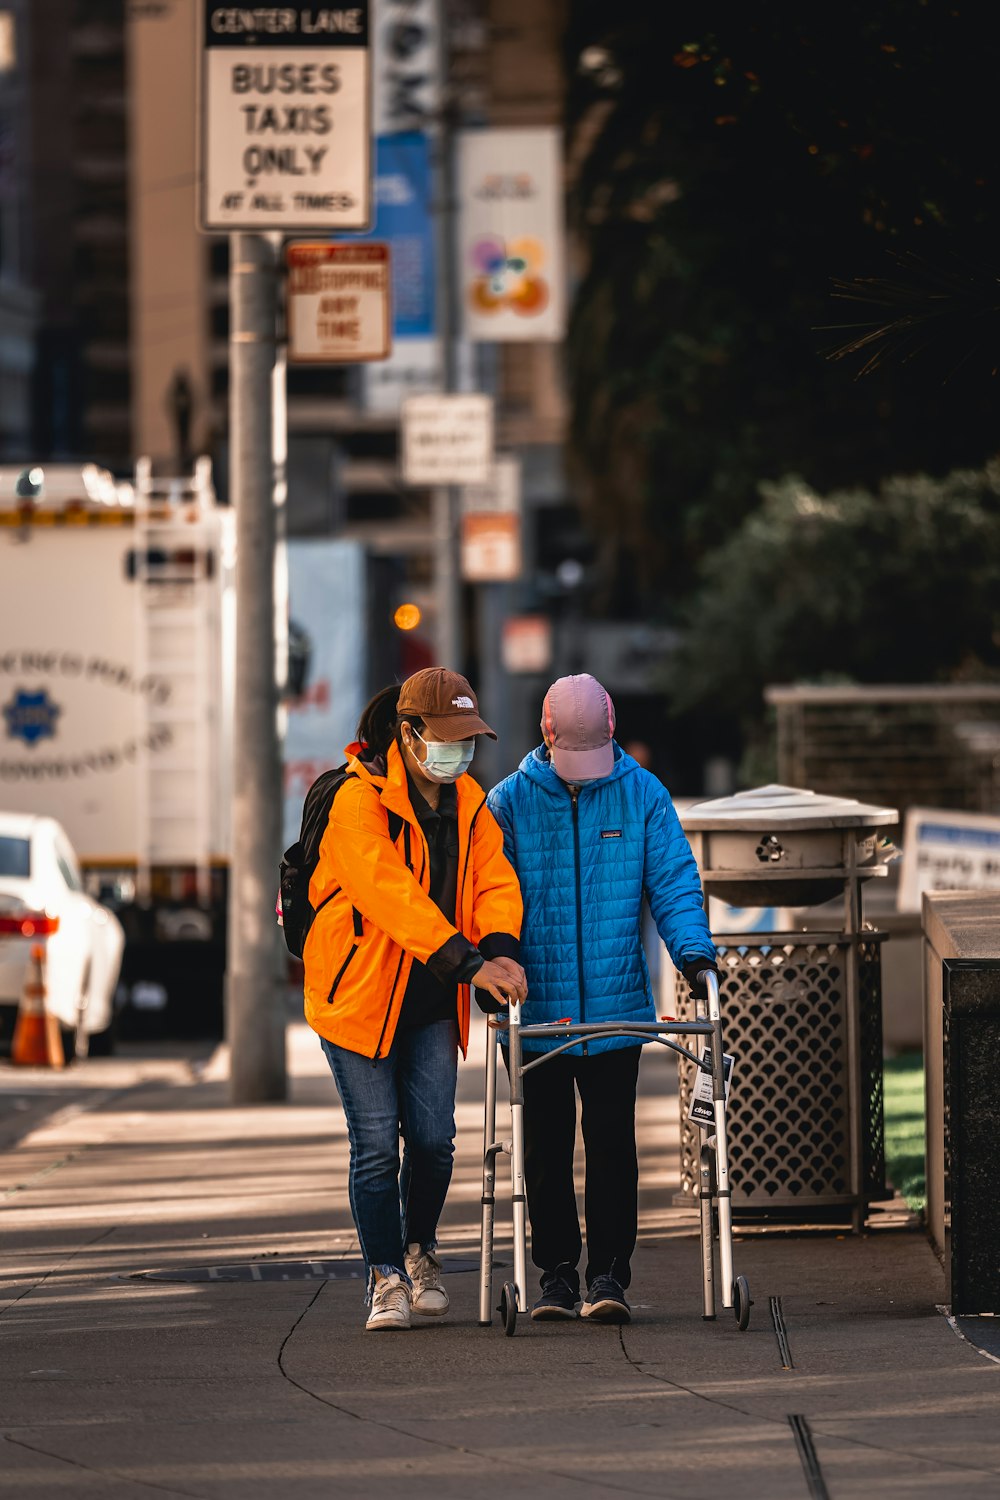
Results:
x,y
501,494
338,303
526,644
512,278
948,851
284,117
491,547
447,440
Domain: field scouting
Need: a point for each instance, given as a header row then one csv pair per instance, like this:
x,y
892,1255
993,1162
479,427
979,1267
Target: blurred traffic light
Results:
x,y
407,617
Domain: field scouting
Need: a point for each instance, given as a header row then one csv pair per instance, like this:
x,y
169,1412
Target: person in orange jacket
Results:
x,y
415,904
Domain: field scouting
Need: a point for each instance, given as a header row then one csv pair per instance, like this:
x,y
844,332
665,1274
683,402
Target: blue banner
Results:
x,y
403,220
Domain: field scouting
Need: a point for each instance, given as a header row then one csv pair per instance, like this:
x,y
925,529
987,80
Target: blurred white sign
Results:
x,y
338,303
501,494
511,237
447,440
491,548
526,644
948,851
284,117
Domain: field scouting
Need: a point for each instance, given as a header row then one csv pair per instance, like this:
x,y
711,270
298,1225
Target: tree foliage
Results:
x,y
897,585
732,164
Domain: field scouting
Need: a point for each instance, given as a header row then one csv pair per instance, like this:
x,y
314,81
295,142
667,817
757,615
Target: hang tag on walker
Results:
x,y
701,1110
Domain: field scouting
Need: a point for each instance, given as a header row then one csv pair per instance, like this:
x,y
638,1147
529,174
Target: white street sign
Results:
x,y
491,548
526,645
948,851
501,494
338,303
447,439
284,117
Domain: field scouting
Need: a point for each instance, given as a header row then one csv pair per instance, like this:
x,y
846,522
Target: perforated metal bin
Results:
x,y
802,1010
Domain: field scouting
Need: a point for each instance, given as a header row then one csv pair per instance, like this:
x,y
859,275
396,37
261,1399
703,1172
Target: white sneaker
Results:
x,y
430,1300
390,1305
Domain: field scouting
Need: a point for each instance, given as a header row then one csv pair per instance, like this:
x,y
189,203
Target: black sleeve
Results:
x,y
453,958
500,945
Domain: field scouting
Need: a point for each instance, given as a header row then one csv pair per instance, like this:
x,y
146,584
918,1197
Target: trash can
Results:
x,y
802,1009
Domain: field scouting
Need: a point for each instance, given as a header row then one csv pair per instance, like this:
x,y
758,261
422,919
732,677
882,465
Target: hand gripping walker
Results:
x,y
714,1155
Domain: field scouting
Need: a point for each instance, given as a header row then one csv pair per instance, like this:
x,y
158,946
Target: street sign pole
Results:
x,y
447,579
254,1013
284,125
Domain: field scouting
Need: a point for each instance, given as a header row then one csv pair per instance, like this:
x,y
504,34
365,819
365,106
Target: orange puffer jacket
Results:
x,y
374,916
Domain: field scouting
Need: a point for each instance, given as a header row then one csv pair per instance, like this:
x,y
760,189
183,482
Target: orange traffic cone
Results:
x,y
37,1040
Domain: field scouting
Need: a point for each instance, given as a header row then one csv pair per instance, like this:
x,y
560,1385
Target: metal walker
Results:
x,y
715,1187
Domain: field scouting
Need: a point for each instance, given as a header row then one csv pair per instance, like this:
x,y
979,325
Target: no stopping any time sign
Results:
x,y
284,118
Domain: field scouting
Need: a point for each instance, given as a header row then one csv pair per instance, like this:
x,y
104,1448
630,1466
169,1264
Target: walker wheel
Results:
x,y
508,1308
742,1302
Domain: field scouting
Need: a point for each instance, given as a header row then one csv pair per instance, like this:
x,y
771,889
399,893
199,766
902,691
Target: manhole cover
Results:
x,y
282,1270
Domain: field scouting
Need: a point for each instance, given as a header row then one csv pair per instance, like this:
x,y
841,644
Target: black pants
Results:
x,y
606,1082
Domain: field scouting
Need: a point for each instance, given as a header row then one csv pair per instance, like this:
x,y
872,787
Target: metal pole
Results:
x,y
254,1018
518,1196
447,580
724,1193
489,1181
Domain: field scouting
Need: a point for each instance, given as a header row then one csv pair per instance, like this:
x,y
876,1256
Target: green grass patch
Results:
x,y
904,1126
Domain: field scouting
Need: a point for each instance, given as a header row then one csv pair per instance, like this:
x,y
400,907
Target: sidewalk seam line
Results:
x,y
431,1441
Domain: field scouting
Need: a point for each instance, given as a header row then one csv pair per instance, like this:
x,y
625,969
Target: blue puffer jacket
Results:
x,y
583,872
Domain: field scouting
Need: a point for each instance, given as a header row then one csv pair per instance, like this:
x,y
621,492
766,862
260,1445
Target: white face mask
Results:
x,y
445,762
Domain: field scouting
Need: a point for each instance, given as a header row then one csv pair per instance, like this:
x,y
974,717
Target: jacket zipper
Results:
x,y
575,796
399,966
340,973
468,856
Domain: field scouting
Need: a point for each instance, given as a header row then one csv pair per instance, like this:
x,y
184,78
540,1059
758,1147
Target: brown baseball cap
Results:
x,y
445,702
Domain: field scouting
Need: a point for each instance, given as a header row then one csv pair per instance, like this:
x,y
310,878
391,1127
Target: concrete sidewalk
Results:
x,y
114,1383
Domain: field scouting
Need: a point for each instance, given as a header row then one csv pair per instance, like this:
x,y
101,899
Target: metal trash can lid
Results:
x,y
785,807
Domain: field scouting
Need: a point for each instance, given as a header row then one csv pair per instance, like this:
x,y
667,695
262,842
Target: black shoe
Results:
x,y
606,1302
558,1300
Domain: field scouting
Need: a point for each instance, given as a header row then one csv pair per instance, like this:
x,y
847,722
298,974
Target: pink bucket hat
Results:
x,y
578,721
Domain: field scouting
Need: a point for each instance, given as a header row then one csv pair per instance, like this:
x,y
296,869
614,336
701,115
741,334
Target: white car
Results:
x,y
39,875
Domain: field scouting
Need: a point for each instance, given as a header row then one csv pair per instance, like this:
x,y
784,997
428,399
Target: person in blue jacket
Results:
x,y
590,832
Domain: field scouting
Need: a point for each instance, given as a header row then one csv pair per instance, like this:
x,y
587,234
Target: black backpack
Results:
x,y
302,857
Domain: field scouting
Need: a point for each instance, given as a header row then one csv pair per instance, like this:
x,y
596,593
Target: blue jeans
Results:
x,y
410,1092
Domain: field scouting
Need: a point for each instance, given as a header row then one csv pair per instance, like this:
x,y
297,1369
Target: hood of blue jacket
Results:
x,y
537,765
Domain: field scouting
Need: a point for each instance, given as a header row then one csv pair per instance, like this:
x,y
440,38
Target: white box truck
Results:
x,y
116,616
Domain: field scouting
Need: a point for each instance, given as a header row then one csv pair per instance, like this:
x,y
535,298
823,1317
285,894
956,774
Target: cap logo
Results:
x,y
462,703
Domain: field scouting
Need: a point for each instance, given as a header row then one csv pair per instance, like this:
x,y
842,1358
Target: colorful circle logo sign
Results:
x,y
507,276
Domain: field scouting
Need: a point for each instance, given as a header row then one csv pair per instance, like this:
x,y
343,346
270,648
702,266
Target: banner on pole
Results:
x,y
403,221
284,109
406,48
511,238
